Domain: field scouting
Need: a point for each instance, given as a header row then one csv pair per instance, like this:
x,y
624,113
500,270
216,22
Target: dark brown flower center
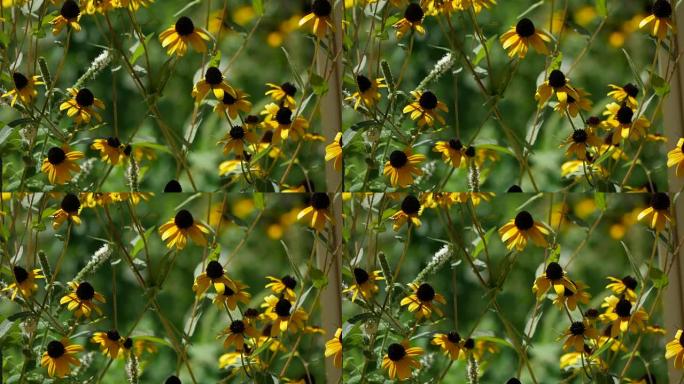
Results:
x,y
554,271
662,9
455,144
514,188
185,26
681,339
469,344
629,282
624,115
631,89
321,8
428,100
173,186
55,349
398,159
85,98
214,269
591,313
524,220
410,205
289,281
360,275
320,200
128,343
70,203
227,291
660,201
454,337
237,132
283,308
577,328
568,292
184,219
113,335
513,380
173,380
20,274
113,142
364,83
580,136
237,326
251,313
593,120
470,151
213,76
20,81
70,10
623,308
414,13
557,79
396,352
267,137
525,28
85,291
284,116
228,99
289,89
425,292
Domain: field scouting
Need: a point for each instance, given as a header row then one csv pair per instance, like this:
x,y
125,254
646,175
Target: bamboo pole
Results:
x,y
329,256
673,119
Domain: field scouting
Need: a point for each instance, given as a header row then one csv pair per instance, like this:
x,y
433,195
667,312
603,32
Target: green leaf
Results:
x,y
600,198
258,6
658,277
384,265
318,84
601,8
633,67
215,60
660,86
318,278
259,201
361,317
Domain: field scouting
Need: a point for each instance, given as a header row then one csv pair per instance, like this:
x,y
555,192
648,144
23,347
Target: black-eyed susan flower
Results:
x,y
333,152
621,316
215,275
283,316
622,123
59,356
110,342
230,297
573,106
450,344
425,108
283,94
626,94
59,164
232,105
423,301
178,36
236,139
412,21
452,152
516,232
175,232
364,284
572,297
333,348
318,18
675,349
284,286
284,123
556,84
409,213
576,334
215,82
237,332
69,15
367,94
660,17
553,277
518,39
82,299
111,149
402,166
69,210
580,142
625,286
657,214
318,211
24,282
401,360
675,158
24,89
82,105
